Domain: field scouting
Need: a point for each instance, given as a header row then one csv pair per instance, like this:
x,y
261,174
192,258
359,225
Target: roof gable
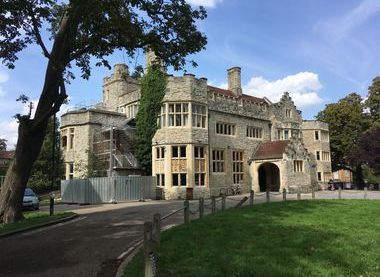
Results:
x,y
271,150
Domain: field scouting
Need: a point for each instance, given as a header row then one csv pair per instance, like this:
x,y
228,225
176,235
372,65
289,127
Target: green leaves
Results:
x,y
167,27
346,121
373,100
153,85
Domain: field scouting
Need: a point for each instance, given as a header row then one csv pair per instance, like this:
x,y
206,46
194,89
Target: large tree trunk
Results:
x,y
28,147
32,132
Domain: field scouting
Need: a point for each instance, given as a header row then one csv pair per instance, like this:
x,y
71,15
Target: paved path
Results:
x,y
90,244
86,246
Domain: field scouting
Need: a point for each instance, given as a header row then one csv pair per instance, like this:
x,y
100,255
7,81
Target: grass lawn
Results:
x,y
32,219
294,238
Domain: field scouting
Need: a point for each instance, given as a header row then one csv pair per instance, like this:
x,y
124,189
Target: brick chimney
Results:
x,y
234,80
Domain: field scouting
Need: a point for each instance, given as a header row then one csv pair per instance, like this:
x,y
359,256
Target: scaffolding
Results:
x,y
115,145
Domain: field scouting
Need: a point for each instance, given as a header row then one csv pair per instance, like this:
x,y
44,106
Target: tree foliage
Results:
x,y
367,149
153,85
80,30
373,100
346,121
93,167
42,172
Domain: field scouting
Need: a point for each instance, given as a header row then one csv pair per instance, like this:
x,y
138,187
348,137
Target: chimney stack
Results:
x,y
234,80
151,59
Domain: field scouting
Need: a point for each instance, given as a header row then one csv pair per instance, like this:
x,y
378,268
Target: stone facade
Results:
x,y
316,138
208,137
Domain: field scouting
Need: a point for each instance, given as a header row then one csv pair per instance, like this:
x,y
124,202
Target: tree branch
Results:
x,y
56,105
37,33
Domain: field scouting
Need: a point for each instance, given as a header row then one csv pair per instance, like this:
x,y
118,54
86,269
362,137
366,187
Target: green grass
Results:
x,y
294,238
32,219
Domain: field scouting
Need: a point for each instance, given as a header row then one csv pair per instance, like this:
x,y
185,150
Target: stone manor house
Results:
x,y
209,139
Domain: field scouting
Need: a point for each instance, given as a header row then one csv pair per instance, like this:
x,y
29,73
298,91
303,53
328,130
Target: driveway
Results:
x,y
90,245
86,246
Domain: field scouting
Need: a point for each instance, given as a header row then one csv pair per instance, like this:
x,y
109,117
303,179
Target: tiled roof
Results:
x,y
6,155
229,93
271,150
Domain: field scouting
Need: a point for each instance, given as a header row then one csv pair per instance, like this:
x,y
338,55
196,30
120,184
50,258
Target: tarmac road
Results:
x,y
86,246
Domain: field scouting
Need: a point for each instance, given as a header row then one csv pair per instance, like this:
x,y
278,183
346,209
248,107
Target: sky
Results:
x,y
317,50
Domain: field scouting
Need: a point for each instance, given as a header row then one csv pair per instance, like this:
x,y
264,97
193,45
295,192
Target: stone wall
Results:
x,y
308,134
85,124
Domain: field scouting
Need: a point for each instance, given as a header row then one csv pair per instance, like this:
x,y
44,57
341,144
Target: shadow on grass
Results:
x,y
295,238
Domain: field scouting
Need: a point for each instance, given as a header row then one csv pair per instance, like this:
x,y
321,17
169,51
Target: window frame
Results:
x,y
197,117
226,129
218,162
182,114
199,159
254,132
237,167
298,166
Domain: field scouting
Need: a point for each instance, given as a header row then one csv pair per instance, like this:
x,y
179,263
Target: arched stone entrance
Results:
x,y
269,177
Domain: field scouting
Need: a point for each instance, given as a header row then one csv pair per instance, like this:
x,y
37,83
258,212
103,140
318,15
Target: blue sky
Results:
x,y
318,50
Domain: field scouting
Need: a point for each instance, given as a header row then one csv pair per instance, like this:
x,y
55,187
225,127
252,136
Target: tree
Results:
x,y
367,150
3,144
93,167
153,85
347,122
373,100
82,29
43,170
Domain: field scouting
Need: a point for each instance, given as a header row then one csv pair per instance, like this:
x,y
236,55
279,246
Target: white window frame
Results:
x,y
199,115
178,111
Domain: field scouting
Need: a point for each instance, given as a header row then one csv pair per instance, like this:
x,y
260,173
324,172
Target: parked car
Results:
x,y
30,200
333,185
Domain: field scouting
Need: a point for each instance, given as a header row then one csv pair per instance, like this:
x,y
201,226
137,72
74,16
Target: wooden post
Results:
x,y
299,194
268,196
156,229
238,205
340,193
186,212
223,202
365,192
284,194
201,207
312,193
52,204
149,251
251,197
213,204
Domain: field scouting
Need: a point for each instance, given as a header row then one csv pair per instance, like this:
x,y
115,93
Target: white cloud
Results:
x,y
205,3
8,131
303,87
338,28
